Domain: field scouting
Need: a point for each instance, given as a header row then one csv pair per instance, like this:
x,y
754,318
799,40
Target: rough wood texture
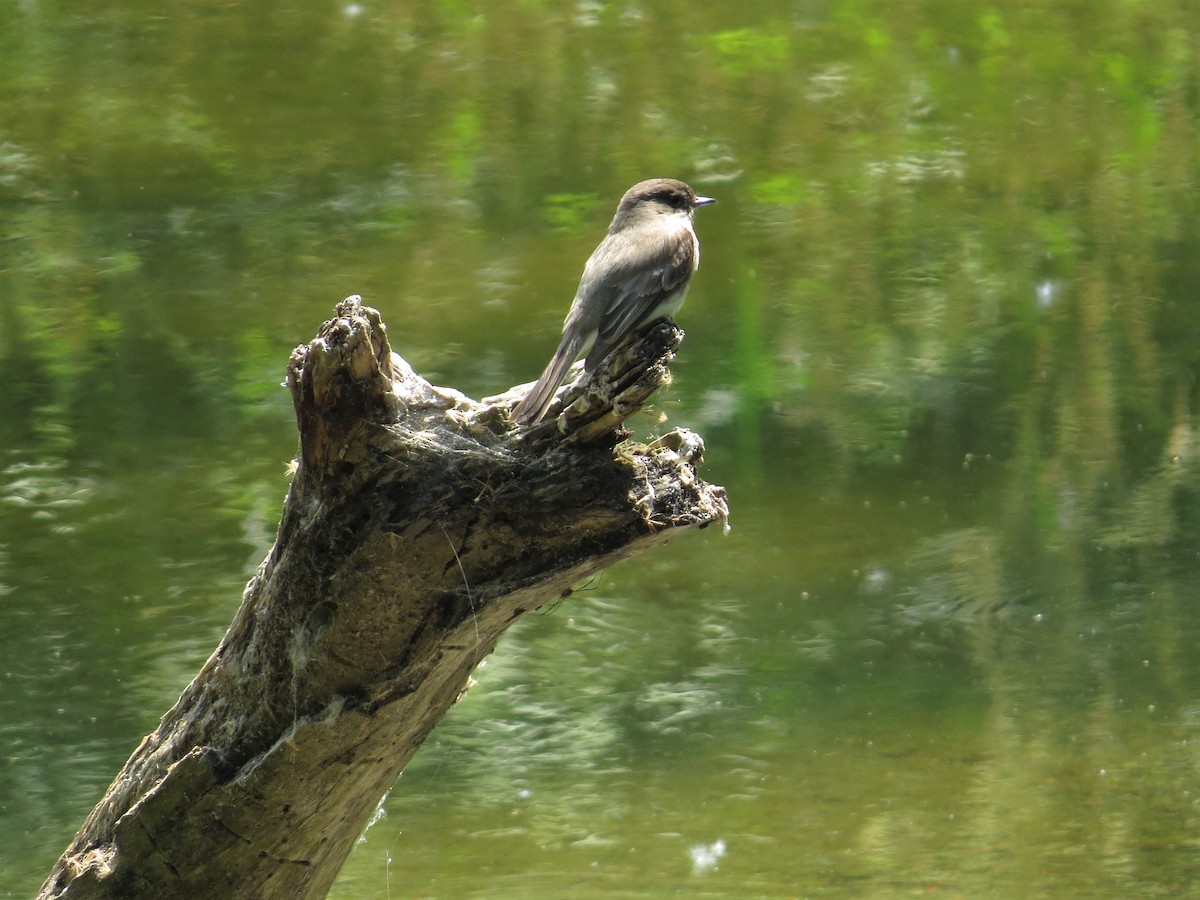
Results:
x,y
419,526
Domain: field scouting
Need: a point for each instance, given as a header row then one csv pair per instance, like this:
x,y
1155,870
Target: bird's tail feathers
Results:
x,y
531,409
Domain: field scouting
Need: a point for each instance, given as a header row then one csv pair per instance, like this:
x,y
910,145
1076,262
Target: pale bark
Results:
x,y
419,526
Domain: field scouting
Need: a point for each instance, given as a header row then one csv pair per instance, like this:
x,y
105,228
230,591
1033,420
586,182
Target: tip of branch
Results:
x,y
341,378
347,378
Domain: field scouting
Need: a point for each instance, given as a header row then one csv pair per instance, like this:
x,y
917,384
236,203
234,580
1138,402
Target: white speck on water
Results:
x,y
1047,293
706,856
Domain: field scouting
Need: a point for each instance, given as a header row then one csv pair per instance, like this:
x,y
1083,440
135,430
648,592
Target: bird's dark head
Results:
x,y
660,195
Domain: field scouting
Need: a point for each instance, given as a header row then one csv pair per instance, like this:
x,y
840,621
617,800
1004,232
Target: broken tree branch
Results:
x,y
419,526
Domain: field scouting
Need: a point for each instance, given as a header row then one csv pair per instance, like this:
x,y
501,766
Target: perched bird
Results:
x,y
639,273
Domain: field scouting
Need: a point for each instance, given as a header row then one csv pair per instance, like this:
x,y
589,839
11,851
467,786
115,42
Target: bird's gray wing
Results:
x,y
632,292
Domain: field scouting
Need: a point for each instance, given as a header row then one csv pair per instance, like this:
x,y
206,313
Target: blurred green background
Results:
x,y
943,349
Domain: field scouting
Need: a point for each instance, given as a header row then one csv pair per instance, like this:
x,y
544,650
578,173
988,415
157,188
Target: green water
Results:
x,y
943,348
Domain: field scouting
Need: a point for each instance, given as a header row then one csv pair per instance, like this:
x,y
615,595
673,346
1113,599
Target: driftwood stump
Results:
x,y
419,526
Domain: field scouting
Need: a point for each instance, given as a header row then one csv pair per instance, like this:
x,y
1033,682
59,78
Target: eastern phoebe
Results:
x,y
639,273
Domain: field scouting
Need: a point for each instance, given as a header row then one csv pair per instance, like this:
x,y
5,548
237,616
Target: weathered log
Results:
x,y
419,526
